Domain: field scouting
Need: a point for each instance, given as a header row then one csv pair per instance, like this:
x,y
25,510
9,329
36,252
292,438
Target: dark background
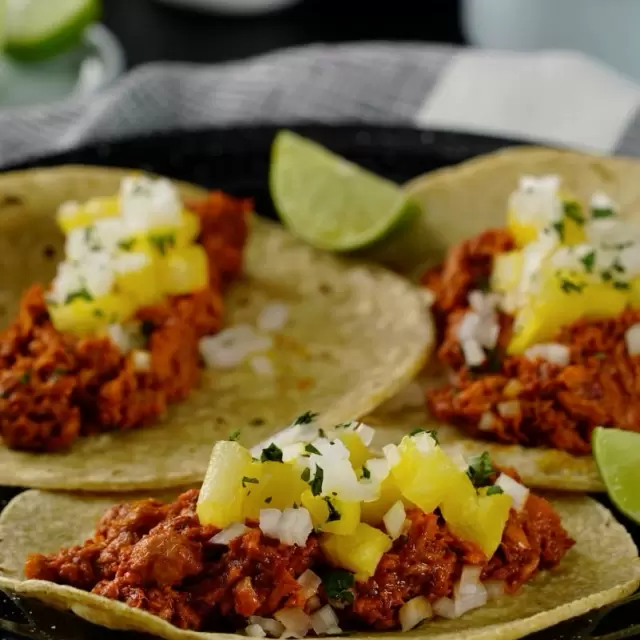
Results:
x,y
151,31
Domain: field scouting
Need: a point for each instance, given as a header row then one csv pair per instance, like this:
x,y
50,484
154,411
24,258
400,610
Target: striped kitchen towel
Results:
x,y
558,98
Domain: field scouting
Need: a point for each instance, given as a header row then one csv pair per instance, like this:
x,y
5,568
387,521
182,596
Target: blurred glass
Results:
x,y
238,7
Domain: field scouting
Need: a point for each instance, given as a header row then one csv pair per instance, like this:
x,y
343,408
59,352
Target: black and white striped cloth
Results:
x,y
559,98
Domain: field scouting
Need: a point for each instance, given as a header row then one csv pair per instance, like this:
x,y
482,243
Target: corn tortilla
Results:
x,y
601,568
356,334
462,201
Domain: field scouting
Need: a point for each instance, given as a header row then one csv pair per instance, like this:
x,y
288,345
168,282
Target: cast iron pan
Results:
x,y
236,160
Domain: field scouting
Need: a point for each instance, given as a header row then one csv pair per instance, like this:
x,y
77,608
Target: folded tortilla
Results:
x,y
355,335
602,568
460,202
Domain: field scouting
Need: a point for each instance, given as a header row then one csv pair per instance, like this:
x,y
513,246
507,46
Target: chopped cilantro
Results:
x,y
416,431
606,276
623,286
268,500
272,453
433,433
480,469
343,425
572,211
233,436
589,261
24,377
559,229
80,294
126,245
316,483
601,213
494,490
366,474
306,475
98,313
321,433
334,514
337,584
568,286
617,266
311,449
246,480
163,242
305,418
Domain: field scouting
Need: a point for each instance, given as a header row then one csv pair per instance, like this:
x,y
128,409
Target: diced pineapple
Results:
x,y
634,293
184,270
331,514
373,512
72,216
476,518
222,495
360,552
424,478
507,269
84,315
138,278
358,452
280,487
562,299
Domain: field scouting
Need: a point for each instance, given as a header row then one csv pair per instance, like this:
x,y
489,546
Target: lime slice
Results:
x,y
617,455
329,202
39,29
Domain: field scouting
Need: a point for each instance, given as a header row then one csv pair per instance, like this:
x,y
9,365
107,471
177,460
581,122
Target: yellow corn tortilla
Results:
x,y
462,201
355,335
601,568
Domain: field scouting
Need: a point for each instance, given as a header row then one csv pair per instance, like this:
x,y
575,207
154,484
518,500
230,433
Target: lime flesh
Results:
x,y
330,202
617,454
40,29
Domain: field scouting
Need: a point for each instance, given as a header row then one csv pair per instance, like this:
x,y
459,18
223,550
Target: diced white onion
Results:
x,y
366,433
255,631
487,421
518,492
97,274
495,588
231,346
600,200
459,460
509,409
273,317
262,365
120,337
295,622
394,520
271,626
313,604
230,533
557,353
630,260
310,583
473,353
412,613
632,339
468,326
325,621
469,581
392,454
445,608
425,443
291,526
141,360
67,209
148,203
130,262
472,601
269,521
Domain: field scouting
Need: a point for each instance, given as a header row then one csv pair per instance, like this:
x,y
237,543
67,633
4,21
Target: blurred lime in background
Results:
x,y
54,49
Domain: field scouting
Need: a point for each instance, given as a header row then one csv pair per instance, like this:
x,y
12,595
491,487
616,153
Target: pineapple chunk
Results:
x,y
358,452
373,512
280,486
71,216
222,495
562,299
476,518
184,270
331,514
86,315
424,478
359,552
138,278
634,293
189,230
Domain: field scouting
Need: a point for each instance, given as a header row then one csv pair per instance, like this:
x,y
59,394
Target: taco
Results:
x,y
311,532
103,383
536,293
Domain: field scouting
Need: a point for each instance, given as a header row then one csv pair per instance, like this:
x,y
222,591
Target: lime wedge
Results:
x,y
617,455
329,202
39,29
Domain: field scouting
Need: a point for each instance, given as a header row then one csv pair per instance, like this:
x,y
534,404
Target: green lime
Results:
x,y
617,455
330,202
39,29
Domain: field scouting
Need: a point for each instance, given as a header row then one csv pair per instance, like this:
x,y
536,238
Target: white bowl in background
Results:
x,y
606,29
235,7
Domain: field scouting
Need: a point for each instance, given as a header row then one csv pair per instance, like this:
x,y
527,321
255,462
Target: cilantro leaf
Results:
x,y
311,449
234,435
338,585
433,433
589,261
334,514
316,483
272,453
80,294
572,211
366,474
246,480
480,469
163,242
494,490
306,418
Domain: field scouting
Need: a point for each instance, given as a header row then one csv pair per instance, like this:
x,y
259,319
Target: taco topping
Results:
x,y
116,336
540,322
312,532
